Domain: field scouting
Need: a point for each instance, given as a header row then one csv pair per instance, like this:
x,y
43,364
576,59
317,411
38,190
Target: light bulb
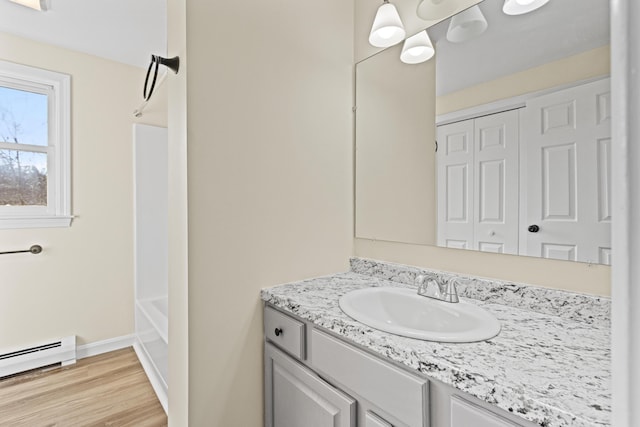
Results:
x,y
433,10
467,25
386,32
39,5
519,7
417,49
387,28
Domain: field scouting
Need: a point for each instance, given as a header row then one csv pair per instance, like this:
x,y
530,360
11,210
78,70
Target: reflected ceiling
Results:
x,y
516,43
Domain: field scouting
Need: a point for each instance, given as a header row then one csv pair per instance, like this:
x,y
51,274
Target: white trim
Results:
x,y
57,86
36,222
158,384
625,321
507,104
105,346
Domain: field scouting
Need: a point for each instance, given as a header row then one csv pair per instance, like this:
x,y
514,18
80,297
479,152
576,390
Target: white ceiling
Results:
x,y
127,31
514,43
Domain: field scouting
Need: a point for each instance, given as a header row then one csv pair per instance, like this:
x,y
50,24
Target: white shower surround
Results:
x,y
151,255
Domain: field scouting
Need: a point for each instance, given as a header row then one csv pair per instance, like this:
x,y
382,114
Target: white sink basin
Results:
x,y
403,312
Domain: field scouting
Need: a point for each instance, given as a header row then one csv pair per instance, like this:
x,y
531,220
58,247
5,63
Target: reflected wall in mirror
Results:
x,y
395,151
521,114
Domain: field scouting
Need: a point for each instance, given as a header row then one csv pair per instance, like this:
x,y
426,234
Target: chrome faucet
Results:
x,y
431,286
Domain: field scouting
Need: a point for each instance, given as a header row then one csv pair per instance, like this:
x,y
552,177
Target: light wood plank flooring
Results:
x,y
106,390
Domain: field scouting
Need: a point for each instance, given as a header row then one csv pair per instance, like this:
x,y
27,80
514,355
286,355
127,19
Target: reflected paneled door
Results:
x,y
567,138
455,191
496,182
478,183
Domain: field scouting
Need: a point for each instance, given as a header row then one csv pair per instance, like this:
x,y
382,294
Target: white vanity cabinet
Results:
x,y
297,397
314,379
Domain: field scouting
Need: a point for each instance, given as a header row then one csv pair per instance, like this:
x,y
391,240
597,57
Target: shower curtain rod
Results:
x,y
35,249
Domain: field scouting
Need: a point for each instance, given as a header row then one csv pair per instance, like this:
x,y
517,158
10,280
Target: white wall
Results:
x,y
82,283
269,157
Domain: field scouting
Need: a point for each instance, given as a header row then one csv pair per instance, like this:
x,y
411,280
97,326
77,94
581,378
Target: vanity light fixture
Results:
x,y
39,5
519,7
417,48
433,10
466,25
387,28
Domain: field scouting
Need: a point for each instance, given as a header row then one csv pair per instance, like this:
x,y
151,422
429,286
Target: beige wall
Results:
x,y
82,283
572,276
594,279
586,65
395,150
270,199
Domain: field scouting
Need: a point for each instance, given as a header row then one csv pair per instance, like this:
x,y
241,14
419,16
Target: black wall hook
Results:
x,y
172,63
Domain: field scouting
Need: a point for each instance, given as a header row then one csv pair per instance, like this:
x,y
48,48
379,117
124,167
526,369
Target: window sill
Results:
x,y
36,222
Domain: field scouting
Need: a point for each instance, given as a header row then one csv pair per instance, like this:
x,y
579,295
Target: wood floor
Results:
x,y
106,390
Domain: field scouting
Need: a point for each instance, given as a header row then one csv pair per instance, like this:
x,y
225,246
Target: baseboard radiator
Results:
x,y
61,351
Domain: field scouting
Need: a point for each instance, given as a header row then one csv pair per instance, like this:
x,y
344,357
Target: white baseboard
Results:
x,y
156,381
105,346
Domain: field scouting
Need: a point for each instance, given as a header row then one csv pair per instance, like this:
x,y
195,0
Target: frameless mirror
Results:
x,y
520,116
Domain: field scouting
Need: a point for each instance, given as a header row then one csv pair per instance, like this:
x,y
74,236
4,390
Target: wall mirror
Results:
x,y
520,117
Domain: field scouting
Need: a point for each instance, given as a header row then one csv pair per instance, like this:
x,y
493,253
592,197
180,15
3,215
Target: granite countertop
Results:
x,y
551,369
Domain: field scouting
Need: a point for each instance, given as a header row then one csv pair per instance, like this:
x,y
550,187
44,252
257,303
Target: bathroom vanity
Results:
x,y
549,366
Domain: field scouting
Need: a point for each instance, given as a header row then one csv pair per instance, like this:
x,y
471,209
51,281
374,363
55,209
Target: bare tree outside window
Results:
x,y
23,173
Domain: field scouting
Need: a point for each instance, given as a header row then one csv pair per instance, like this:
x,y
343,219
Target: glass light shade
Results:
x,y
519,7
387,28
417,49
40,5
433,10
466,25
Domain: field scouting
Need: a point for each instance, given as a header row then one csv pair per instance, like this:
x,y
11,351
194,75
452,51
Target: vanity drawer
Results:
x,y
372,420
464,414
285,332
394,391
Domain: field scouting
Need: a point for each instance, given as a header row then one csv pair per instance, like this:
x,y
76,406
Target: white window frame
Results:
x,y
57,87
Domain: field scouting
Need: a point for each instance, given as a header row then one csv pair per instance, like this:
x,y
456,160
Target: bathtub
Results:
x,y
156,310
152,343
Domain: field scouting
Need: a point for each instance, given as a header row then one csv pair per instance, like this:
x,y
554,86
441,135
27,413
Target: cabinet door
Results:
x,y
372,420
464,414
295,396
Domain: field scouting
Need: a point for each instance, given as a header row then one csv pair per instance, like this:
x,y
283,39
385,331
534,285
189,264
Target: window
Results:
x,y
34,147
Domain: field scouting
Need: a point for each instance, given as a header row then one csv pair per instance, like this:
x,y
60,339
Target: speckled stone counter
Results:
x,y
550,364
